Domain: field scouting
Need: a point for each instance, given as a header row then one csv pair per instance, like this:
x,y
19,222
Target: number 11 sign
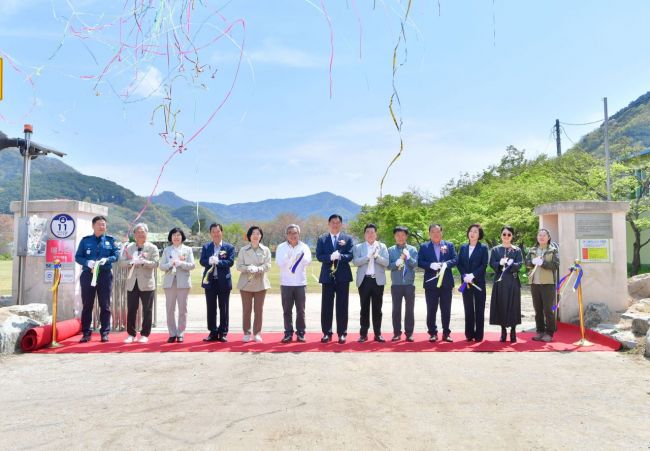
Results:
x,y
62,226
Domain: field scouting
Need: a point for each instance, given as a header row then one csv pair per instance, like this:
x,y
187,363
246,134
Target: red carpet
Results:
x,y
39,337
566,335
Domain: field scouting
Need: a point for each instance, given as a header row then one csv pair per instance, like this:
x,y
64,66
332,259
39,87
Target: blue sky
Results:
x,y
479,76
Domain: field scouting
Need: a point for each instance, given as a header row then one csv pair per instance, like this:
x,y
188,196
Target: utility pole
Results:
x,y
557,137
609,181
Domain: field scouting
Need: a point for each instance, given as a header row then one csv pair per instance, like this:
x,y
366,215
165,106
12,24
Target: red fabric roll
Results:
x,y
39,337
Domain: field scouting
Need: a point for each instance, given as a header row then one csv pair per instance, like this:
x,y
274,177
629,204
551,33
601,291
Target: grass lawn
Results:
x,y
5,276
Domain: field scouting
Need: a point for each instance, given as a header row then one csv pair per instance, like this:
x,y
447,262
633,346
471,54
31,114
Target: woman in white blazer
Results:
x,y
177,262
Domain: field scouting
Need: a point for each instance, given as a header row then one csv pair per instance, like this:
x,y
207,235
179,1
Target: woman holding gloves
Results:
x,y
505,304
254,262
544,261
472,262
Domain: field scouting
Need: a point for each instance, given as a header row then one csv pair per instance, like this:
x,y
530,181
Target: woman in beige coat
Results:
x,y
177,262
142,259
254,262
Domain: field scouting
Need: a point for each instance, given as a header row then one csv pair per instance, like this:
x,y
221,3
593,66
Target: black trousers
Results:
x,y
133,299
338,292
370,294
103,292
543,302
434,297
218,297
474,303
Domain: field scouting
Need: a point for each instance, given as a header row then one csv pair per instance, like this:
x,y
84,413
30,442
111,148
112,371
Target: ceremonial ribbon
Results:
x,y
577,268
440,271
465,285
562,284
207,273
504,270
295,265
93,282
442,274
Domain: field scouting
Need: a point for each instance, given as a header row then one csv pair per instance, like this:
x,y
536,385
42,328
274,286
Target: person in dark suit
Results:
x,y
217,257
472,262
334,251
437,257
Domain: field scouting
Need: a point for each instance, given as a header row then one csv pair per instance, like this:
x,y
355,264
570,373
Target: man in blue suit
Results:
x,y
433,257
334,251
217,257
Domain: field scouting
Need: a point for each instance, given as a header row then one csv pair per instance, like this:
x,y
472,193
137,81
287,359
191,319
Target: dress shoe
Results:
x,y
410,339
105,338
287,338
362,339
513,335
343,338
539,336
326,338
171,340
301,337
211,337
447,338
380,339
548,338
433,338
222,339
85,339
396,337
180,339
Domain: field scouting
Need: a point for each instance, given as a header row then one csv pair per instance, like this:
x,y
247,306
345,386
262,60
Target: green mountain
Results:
x,y
628,129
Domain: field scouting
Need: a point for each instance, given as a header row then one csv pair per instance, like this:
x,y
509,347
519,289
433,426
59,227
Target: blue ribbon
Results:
x,y
579,278
462,287
295,265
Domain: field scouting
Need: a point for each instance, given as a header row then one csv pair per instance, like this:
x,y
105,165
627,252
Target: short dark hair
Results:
x,y
334,216
251,229
176,230
481,234
435,224
401,229
369,226
215,224
99,218
509,229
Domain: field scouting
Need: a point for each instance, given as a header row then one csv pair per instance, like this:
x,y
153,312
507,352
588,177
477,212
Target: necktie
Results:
x,y
334,241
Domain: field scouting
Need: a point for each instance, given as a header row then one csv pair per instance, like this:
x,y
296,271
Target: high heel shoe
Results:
x,y
513,335
504,333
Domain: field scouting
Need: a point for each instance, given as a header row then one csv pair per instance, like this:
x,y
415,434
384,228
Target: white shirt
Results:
x,y
471,249
286,256
370,270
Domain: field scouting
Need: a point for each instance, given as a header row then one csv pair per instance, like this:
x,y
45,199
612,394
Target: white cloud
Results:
x,y
275,53
148,83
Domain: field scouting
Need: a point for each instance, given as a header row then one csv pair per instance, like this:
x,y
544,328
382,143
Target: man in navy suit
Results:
x,y
217,257
432,257
334,251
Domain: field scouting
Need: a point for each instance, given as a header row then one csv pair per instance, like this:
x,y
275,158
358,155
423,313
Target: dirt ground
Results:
x,y
572,401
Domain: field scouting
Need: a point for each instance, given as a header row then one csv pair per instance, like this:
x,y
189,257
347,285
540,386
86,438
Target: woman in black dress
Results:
x,y
505,304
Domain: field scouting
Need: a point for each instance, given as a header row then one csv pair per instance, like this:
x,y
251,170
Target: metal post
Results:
x,y
609,181
558,142
22,259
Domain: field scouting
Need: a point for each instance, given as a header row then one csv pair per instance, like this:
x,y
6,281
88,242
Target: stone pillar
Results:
x,y
593,232
53,234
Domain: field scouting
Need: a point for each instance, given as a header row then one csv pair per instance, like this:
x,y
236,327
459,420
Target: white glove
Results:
x,y
510,261
503,261
406,254
336,255
90,264
399,262
213,260
436,266
467,278
471,277
537,261
102,262
252,269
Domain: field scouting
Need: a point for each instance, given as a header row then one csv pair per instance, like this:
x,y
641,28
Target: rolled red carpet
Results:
x,y
39,337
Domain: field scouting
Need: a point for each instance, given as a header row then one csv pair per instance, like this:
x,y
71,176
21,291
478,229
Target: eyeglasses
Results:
x,y
506,234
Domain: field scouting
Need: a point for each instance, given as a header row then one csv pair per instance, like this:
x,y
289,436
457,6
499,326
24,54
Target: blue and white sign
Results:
x,y
62,226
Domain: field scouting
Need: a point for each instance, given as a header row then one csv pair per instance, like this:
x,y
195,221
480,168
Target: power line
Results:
x,y
584,123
